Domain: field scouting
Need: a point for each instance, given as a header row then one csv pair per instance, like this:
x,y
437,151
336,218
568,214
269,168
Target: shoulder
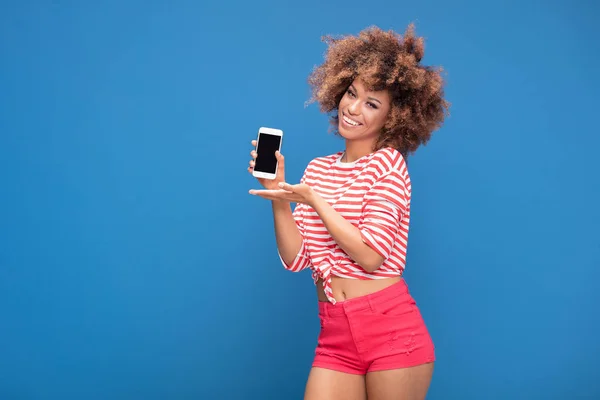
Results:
x,y
388,161
390,179
326,160
323,163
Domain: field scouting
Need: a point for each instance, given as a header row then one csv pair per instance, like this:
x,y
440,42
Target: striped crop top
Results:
x,y
373,193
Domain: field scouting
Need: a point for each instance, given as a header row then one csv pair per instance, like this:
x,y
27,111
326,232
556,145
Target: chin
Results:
x,y
344,133
349,134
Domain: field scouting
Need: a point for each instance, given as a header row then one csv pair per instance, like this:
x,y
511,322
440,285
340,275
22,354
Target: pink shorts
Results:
x,y
379,331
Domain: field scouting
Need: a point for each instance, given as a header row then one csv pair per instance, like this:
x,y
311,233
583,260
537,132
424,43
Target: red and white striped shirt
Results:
x,y
373,193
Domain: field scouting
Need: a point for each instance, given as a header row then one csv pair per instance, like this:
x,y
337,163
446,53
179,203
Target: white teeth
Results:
x,y
348,120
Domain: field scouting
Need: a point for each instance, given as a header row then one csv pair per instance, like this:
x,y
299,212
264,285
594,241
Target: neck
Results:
x,y
357,149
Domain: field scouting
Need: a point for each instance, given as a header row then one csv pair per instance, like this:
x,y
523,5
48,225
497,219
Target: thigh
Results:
x,y
333,385
400,384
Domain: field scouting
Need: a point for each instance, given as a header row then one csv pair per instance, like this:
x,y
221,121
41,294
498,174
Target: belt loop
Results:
x,y
326,305
370,301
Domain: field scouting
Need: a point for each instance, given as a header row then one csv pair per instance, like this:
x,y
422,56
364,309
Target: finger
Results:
x,y
253,154
270,193
253,142
286,186
252,163
276,195
265,194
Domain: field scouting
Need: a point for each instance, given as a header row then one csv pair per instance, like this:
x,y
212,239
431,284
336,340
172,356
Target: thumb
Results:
x,y
279,157
280,162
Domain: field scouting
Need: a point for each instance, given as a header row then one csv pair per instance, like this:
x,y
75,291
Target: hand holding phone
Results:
x,y
266,165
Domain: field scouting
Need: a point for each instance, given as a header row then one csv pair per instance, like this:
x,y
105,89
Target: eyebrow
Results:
x,y
370,98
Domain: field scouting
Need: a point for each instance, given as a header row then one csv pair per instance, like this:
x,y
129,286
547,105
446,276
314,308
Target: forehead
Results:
x,y
360,85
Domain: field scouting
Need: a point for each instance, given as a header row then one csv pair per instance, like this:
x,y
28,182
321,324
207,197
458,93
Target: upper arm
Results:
x,y
384,206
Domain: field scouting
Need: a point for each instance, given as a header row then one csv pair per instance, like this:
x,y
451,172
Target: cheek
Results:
x,y
343,102
375,118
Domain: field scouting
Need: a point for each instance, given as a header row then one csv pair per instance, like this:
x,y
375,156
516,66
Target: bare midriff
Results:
x,y
346,289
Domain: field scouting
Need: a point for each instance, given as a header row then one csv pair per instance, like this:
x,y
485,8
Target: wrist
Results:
x,y
314,200
280,204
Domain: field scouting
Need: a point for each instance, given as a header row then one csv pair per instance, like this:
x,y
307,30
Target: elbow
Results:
x,y
370,268
288,262
372,253
369,259
293,264
372,264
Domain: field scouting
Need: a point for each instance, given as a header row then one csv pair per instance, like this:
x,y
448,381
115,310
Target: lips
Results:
x,y
350,121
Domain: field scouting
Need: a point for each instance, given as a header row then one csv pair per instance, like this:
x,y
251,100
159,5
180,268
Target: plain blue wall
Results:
x,y
134,265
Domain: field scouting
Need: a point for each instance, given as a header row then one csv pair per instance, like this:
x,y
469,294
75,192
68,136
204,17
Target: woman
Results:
x,y
350,224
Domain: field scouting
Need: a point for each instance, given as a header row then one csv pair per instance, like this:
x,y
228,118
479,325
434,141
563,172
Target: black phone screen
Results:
x,y
267,146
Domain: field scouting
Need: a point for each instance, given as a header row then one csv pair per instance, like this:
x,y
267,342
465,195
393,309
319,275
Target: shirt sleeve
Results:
x,y
302,260
384,206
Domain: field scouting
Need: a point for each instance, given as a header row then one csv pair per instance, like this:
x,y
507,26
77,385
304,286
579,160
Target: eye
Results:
x,y
350,93
372,105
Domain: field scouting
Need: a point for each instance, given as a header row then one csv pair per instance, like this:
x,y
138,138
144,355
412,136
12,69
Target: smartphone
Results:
x,y
268,142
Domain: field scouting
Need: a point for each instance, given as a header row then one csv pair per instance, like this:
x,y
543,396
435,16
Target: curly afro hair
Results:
x,y
384,60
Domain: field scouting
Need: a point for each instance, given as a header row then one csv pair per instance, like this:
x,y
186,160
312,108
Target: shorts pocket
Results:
x,y
322,320
397,307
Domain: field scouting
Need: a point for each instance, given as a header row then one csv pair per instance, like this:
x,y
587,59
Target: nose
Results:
x,y
353,107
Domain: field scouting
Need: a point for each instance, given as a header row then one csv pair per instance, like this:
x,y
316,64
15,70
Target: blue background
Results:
x,y
134,264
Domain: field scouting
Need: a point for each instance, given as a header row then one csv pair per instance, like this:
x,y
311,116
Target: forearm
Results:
x,y
347,236
287,235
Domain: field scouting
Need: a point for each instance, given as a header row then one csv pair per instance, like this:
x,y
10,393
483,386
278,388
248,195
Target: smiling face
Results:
x,y
362,113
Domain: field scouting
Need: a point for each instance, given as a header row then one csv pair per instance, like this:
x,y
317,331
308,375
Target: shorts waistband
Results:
x,y
364,302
